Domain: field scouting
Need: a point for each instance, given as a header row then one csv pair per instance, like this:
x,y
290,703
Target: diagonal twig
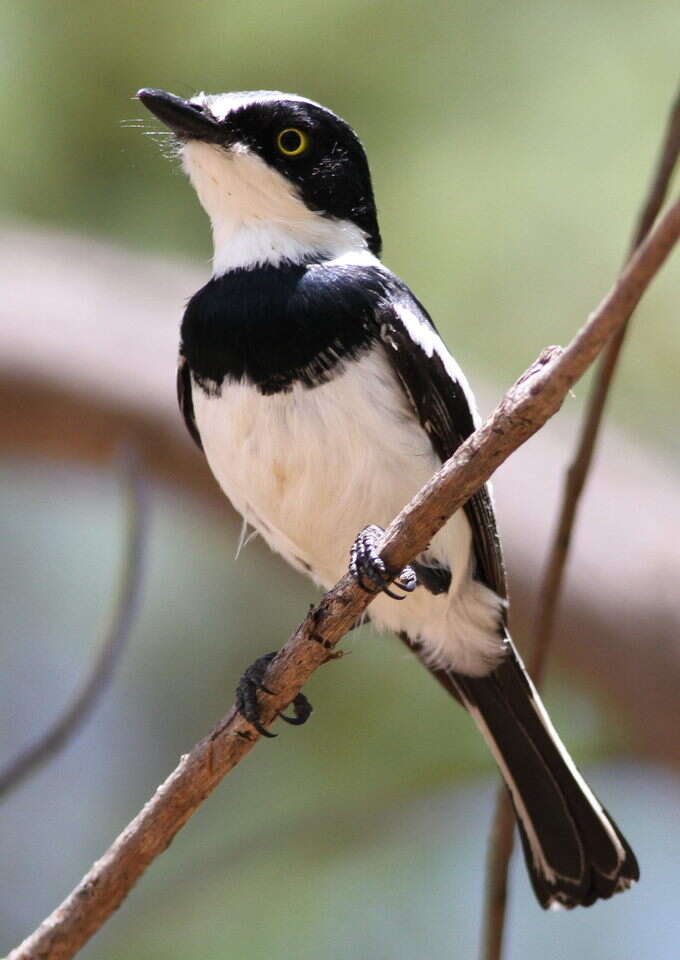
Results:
x,y
536,396
502,832
77,712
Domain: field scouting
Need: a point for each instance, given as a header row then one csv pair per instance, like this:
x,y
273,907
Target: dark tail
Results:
x,y
574,851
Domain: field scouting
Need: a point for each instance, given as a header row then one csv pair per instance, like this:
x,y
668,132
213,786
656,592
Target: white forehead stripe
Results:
x,y
222,104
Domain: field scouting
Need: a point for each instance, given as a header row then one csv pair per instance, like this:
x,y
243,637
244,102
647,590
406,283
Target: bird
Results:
x,y
321,394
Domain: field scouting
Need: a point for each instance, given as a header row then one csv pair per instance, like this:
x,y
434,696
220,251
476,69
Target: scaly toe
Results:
x,y
407,579
247,703
369,570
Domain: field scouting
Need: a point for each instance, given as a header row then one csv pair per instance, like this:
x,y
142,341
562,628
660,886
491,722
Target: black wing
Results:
x,y
185,399
575,853
442,407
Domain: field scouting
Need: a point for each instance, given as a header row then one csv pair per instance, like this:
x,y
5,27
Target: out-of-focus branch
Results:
x,y
86,698
501,837
661,178
87,364
536,396
578,471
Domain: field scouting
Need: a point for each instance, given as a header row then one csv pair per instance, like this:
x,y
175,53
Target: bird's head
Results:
x,y
281,177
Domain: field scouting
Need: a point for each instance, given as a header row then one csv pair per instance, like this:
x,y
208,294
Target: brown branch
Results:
x,y
500,846
536,396
501,838
75,383
101,672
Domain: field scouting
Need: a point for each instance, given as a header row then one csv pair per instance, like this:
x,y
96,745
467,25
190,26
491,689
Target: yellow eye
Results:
x,y
292,142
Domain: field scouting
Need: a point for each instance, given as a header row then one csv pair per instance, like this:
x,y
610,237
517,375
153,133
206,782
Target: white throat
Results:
x,y
257,216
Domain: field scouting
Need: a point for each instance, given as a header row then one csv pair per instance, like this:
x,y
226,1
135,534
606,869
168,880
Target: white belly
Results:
x,y
310,468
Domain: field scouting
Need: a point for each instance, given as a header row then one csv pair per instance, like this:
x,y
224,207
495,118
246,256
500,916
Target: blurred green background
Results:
x,y
510,145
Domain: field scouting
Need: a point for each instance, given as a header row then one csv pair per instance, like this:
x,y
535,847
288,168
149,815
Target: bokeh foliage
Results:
x,y
510,144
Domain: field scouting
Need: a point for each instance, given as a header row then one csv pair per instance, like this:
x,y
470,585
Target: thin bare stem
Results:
x,y
501,840
530,402
500,845
578,471
101,672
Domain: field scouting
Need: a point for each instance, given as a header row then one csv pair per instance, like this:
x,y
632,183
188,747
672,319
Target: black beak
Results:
x,y
188,120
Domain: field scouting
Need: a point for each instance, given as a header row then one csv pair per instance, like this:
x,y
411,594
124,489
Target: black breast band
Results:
x,y
277,326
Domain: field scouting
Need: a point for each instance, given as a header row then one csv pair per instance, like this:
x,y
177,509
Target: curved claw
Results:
x,y
395,596
303,710
260,729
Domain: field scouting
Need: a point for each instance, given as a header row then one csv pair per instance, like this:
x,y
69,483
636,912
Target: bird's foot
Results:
x,y
248,705
369,570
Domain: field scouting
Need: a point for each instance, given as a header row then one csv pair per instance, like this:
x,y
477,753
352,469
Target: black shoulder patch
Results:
x,y
185,400
276,326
